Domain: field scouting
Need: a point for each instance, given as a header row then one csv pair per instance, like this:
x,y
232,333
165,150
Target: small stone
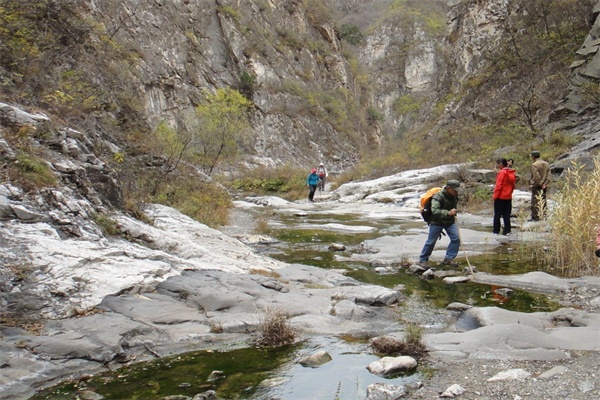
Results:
x,y
453,391
558,370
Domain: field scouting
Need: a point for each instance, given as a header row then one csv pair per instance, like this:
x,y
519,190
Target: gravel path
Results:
x,y
577,378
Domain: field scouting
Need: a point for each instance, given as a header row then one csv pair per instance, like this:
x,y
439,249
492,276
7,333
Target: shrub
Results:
x,y
33,172
202,201
351,34
287,180
107,225
275,328
247,84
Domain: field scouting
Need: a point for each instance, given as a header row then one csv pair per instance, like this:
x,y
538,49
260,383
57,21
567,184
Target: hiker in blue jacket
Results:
x,y
312,180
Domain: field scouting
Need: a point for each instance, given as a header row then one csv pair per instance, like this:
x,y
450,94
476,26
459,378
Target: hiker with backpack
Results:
x,y
502,196
312,180
322,172
443,218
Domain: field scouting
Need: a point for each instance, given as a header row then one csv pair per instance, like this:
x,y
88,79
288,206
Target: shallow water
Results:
x,y
251,374
257,374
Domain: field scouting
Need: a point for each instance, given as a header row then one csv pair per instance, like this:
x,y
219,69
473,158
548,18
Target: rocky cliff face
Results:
x,y
307,101
318,95
328,79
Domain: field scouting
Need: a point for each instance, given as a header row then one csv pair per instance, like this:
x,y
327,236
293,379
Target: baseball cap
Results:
x,y
454,184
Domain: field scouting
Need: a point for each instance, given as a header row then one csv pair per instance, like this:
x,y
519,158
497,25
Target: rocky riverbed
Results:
x,y
92,302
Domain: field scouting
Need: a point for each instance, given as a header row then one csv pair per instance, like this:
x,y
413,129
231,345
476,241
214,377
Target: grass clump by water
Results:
x,y
275,328
411,345
574,223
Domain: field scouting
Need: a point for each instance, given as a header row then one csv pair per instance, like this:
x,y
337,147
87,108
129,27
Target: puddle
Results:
x,y
466,322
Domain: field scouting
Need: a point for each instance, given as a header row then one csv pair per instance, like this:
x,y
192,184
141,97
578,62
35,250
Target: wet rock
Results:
x,y
215,376
505,292
208,395
89,395
390,366
315,360
370,295
417,269
337,247
429,274
456,279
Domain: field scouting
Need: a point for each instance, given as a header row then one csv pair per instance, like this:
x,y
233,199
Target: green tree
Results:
x,y
222,127
173,146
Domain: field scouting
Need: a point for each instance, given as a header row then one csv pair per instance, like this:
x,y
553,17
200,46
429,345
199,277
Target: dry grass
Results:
x,y
574,222
264,272
275,328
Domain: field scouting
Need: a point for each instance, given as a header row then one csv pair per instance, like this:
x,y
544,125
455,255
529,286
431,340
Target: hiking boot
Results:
x,y
424,264
450,263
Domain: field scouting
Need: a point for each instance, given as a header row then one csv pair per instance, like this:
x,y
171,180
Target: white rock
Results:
x,y
453,391
383,391
456,279
511,374
388,366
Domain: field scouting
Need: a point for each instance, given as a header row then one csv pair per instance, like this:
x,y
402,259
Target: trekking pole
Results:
x,y
462,245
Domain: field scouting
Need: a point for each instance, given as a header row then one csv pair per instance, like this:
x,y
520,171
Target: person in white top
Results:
x,y
322,172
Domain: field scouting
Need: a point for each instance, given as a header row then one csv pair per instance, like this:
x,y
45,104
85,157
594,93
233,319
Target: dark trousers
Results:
x,y
539,203
502,209
311,191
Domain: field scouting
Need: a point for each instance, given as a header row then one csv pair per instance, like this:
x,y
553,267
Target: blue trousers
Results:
x,y
434,234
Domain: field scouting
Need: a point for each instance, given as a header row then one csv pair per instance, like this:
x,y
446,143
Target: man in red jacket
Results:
x,y
503,190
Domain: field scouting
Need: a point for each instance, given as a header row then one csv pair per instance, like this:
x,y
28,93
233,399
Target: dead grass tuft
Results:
x,y
275,328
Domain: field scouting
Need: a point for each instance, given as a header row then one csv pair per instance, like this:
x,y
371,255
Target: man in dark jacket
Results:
x,y
443,218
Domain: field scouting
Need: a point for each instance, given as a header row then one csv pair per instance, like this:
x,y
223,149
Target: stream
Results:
x,y
274,373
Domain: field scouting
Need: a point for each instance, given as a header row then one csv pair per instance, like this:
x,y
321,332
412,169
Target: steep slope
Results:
x,y
284,55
